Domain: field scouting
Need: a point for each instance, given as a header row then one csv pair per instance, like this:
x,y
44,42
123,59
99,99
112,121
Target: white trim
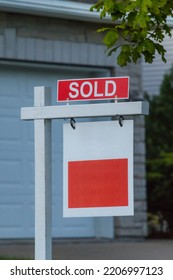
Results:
x,y
54,8
57,8
86,110
61,67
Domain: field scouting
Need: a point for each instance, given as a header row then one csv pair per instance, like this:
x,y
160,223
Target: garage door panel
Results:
x,y
76,227
13,213
10,171
10,146
11,127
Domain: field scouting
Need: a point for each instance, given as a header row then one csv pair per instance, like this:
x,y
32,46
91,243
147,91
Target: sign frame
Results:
x,y
42,113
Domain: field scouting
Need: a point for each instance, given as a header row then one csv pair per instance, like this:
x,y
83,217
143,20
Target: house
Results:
x,y
41,42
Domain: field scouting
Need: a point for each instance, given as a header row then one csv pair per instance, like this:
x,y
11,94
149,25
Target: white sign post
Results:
x,y
42,114
43,184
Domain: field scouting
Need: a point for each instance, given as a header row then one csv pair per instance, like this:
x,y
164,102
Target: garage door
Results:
x,y
17,154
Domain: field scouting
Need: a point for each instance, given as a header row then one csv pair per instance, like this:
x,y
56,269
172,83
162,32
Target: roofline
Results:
x,y
60,9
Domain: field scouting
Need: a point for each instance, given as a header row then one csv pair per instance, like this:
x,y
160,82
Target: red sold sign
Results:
x,y
93,89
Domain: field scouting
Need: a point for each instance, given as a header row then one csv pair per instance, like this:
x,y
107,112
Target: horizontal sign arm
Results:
x,y
86,110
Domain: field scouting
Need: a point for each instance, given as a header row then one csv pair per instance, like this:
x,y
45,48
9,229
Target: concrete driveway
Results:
x,y
92,249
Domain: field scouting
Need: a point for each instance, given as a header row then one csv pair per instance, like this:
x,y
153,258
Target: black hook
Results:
x,y
121,119
73,123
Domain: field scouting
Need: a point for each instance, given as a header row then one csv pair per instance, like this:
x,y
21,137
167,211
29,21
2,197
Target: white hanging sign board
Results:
x,y
98,169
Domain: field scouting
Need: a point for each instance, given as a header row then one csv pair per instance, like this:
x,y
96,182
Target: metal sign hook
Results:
x,y
73,123
121,119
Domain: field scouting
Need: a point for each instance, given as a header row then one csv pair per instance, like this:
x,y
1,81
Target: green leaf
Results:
x,y
150,45
123,58
103,29
126,48
145,5
141,21
135,55
111,38
111,51
148,56
161,50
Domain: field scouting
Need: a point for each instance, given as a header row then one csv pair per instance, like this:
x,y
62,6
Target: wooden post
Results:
x,y
43,180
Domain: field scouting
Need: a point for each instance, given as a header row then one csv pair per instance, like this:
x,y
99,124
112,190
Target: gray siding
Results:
x,y
153,73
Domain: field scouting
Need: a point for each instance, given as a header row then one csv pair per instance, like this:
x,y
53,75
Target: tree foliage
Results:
x,y
159,144
138,30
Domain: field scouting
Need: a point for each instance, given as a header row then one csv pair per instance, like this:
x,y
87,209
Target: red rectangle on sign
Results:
x,y
98,183
93,89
